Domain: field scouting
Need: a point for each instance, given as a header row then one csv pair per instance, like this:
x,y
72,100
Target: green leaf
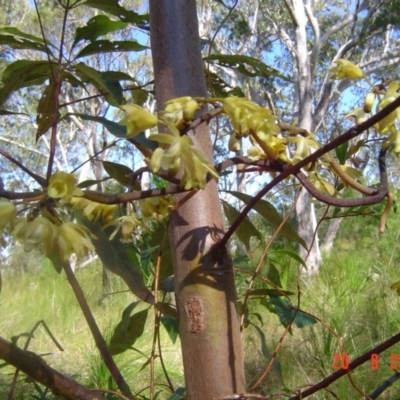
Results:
x,y
16,32
112,7
341,152
267,269
6,112
269,212
45,110
269,292
220,88
286,313
167,309
121,173
288,253
118,258
139,96
97,26
246,230
265,351
119,130
246,65
222,3
178,394
91,182
171,325
119,76
103,82
23,73
20,43
15,338
113,127
159,238
106,46
127,332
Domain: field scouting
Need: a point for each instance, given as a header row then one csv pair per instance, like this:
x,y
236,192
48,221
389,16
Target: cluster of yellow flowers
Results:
x,y
176,150
44,227
387,126
247,118
41,228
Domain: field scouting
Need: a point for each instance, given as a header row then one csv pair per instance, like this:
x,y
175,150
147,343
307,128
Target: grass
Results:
x,y
351,295
46,296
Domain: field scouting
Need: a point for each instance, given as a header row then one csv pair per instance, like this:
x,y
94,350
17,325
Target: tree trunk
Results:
x,y
330,235
306,225
305,214
204,279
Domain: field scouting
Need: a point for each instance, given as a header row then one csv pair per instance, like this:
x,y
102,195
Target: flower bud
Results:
x,y
233,144
369,102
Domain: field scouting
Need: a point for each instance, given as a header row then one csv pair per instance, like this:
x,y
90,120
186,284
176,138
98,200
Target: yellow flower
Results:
x,y
345,69
156,207
384,126
233,144
74,238
93,211
304,147
179,111
181,148
369,102
137,119
239,111
62,186
358,114
272,145
128,225
8,213
255,153
249,118
36,233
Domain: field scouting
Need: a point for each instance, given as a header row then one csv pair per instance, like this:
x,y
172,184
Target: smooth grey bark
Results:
x,y
204,280
305,215
305,47
330,234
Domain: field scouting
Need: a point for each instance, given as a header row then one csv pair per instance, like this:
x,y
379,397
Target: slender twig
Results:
x,y
162,359
35,367
156,324
389,382
98,337
26,345
44,38
57,82
41,181
261,261
278,346
353,365
294,169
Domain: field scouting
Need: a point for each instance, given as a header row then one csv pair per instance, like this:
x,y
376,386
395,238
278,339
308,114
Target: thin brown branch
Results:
x,y
294,169
97,336
36,368
41,181
377,196
353,365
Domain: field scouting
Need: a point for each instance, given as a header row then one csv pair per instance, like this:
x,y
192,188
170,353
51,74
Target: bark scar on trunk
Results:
x,y
196,316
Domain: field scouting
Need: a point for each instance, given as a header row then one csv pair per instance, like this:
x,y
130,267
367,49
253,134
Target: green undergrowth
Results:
x,y
351,298
46,296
